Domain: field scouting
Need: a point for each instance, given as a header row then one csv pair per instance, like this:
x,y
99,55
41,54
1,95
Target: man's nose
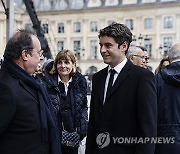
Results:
x,y
103,49
143,60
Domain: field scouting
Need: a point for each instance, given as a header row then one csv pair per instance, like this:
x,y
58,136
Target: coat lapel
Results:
x,y
102,84
121,77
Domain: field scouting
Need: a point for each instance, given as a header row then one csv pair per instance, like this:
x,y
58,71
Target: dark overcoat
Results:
x,y
168,94
20,125
129,111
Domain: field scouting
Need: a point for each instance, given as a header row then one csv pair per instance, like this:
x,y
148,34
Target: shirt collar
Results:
x,y
118,67
59,79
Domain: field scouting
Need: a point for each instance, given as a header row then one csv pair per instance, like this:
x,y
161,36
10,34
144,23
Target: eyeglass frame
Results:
x,y
142,57
146,58
40,52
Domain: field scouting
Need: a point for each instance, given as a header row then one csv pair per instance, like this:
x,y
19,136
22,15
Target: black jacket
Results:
x,y
129,111
20,124
79,92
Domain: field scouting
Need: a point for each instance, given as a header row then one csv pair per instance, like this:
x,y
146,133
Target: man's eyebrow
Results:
x,y
108,43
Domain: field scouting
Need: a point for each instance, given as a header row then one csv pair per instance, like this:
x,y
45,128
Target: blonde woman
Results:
x,y
68,91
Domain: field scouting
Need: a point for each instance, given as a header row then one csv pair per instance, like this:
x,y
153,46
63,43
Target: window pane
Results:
x,y
60,27
93,49
129,24
77,27
167,44
168,22
93,26
77,49
60,45
28,26
45,28
148,23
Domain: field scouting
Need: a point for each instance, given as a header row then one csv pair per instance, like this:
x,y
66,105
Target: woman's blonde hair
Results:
x,y
64,55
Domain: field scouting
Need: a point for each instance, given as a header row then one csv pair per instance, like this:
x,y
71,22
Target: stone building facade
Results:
x,y
74,25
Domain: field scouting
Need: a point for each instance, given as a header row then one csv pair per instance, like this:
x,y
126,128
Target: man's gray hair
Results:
x,y
131,51
174,52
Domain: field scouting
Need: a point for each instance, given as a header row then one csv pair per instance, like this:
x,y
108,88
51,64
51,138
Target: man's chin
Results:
x,y
106,61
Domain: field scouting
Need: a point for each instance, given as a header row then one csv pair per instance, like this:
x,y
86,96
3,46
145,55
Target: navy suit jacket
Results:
x,y
130,110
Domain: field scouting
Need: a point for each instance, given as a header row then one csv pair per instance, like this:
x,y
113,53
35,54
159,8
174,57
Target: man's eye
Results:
x,y
108,46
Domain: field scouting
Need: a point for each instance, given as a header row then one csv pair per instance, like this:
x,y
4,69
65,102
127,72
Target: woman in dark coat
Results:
x,y
68,91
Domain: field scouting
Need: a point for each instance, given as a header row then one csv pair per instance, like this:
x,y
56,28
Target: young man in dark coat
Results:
x,y
124,109
27,121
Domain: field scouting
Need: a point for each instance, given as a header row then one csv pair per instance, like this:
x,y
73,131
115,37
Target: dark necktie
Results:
x,y
110,83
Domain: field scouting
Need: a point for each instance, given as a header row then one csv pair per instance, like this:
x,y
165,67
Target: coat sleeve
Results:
x,y
91,139
84,108
147,113
7,107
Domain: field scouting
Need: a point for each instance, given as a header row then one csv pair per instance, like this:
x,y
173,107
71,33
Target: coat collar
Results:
x,y
28,89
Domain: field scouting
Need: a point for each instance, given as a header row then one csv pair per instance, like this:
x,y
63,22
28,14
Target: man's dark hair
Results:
x,y
119,32
20,41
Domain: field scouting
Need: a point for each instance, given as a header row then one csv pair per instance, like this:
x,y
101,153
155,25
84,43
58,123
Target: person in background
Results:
x,y
123,100
27,121
164,62
136,56
68,93
168,94
146,55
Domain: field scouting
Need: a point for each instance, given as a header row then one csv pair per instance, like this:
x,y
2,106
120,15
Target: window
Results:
x,y
77,27
129,24
167,44
93,49
77,49
77,4
168,22
148,45
148,23
60,27
45,28
60,45
28,26
93,26
167,41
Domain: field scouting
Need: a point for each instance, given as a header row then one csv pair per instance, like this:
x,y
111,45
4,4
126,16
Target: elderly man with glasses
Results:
x,y
136,56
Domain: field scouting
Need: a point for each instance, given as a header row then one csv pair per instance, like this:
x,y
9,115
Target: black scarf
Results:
x,y
50,131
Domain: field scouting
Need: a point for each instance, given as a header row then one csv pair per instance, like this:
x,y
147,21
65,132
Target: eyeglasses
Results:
x,y
142,57
40,52
146,58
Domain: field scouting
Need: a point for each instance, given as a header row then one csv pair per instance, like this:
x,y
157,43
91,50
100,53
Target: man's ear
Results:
x,y
124,46
131,58
24,55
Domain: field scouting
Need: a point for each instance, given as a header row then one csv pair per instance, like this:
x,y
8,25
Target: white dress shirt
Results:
x,y
118,69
